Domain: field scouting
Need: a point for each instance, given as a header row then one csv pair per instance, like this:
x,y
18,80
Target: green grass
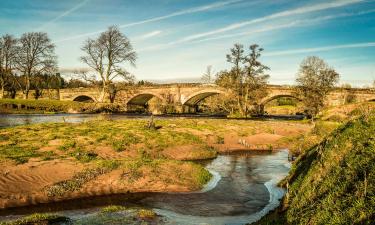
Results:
x,y
81,140
334,181
39,218
113,208
61,188
146,214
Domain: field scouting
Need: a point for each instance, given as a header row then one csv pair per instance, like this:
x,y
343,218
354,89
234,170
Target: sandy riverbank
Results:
x,y
53,162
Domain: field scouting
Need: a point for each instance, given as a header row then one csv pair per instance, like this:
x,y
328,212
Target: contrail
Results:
x,y
320,49
64,14
150,35
295,23
159,18
291,12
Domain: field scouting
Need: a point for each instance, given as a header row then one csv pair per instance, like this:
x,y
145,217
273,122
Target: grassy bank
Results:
x,y
333,182
30,106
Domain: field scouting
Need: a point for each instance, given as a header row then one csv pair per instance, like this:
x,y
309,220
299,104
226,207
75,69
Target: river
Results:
x,y
242,190
8,120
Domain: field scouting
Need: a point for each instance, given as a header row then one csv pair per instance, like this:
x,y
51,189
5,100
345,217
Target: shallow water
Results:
x,y
245,192
242,190
9,120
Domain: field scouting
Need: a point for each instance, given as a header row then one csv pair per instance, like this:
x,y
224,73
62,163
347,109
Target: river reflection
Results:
x,y
244,192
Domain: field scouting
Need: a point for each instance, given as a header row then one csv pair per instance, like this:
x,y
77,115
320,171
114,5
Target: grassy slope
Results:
x,y
333,182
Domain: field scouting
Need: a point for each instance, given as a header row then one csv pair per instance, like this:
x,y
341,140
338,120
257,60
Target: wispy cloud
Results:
x,y
320,49
302,10
294,23
149,35
291,12
159,18
67,12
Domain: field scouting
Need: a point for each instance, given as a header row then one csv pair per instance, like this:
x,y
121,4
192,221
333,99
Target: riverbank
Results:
x,y
58,161
42,106
332,182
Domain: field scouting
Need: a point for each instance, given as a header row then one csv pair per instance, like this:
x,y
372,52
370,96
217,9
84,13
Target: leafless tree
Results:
x,y
208,76
7,59
35,55
107,55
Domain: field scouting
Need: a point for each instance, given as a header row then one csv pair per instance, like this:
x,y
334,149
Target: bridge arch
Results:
x,y
193,99
83,98
268,99
141,99
263,108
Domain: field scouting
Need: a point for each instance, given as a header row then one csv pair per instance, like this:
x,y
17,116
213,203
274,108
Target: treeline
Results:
x,y
30,63
26,63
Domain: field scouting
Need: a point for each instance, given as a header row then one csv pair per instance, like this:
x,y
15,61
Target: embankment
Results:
x,y
333,182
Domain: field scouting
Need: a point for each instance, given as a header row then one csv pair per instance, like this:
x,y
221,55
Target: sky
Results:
x,y
177,39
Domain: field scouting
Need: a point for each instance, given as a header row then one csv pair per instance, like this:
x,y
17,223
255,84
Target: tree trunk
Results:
x,y
27,87
103,92
2,89
26,93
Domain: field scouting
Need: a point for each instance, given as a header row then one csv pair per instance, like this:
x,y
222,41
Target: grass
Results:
x,y
333,182
39,218
113,208
81,141
78,180
146,214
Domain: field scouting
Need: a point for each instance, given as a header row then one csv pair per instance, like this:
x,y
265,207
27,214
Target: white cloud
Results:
x,y
291,12
159,18
320,49
150,35
294,23
302,10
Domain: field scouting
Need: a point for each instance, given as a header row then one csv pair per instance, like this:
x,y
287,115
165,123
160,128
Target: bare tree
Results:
x,y
315,80
207,77
35,55
7,59
107,55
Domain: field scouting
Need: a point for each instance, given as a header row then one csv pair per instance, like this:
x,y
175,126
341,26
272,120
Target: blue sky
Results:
x,y
178,39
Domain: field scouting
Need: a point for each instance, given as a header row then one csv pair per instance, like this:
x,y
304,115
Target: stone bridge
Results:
x,y
185,97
